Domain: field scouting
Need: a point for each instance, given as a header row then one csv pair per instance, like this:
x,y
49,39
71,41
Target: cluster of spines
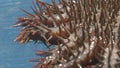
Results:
x,y
83,32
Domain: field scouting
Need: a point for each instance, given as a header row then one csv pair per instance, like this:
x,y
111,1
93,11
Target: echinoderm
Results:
x,y
83,33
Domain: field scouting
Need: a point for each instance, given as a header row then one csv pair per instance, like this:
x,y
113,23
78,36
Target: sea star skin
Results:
x,y
83,33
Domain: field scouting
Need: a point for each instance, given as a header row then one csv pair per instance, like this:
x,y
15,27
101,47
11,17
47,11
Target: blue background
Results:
x,y
12,54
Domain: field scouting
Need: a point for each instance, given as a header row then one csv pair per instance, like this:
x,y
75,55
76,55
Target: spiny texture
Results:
x,y
84,33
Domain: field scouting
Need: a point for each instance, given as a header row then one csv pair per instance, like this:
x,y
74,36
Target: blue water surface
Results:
x,y
12,54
